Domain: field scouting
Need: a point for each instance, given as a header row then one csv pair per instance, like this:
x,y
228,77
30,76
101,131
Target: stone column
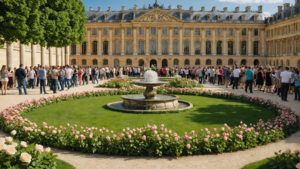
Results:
x,y
51,56
134,41
57,56
192,42
22,53
250,49
99,41
224,43
159,41
180,42
78,49
43,56
110,52
147,44
67,62
237,41
214,44
292,46
203,43
281,48
9,55
33,52
88,43
62,56
123,41
170,41
262,35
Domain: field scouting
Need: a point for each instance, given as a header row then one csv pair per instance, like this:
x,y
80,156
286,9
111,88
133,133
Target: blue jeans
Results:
x,y
284,90
62,83
75,78
235,83
37,82
20,84
53,84
31,85
200,79
297,92
213,80
204,79
42,85
107,75
84,79
68,83
57,85
95,78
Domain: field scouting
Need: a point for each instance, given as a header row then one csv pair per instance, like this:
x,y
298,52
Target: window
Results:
x,y
197,62
128,48
128,62
176,62
128,31
186,62
219,48
105,47
243,62
208,31
73,61
244,48
219,32
117,48
175,48
83,48
230,62
141,62
164,47
73,49
197,47
175,31
164,31
230,48
94,31
153,31
94,51
153,47
141,47
197,31
208,62
95,62
105,62
230,32
255,48
186,47
208,47
244,32
117,31
141,31
219,62
83,62
186,31
105,31
255,32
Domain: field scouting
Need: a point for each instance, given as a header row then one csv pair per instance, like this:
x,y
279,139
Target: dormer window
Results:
x,y
117,16
276,17
198,17
255,17
230,17
219,16
208,16
94,16
128,16
187,16
105,16
293,11
243,17
282,15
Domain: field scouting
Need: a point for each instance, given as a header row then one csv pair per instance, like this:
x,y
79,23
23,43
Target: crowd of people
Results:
x,y
279,79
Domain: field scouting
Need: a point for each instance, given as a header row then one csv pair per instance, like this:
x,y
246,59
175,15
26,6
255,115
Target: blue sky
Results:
x,y
269,6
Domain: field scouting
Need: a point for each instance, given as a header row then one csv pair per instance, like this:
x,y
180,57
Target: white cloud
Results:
x,y
252,1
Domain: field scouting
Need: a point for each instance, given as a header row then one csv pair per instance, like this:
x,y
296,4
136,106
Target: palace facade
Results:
x,y
175,38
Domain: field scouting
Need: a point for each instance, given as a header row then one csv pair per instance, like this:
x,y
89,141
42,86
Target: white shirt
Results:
x,y
31,74
285,77
69,73
90,71
236,73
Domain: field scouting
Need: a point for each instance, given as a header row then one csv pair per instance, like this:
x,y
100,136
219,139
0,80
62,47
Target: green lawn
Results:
x,y
263,164
206,113
63,165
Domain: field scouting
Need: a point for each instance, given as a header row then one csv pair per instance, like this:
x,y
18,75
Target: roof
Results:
x,y
287,13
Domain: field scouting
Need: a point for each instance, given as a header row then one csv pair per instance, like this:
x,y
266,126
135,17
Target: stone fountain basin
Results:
x,y
148,84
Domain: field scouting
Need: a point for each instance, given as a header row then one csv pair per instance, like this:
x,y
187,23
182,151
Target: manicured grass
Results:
x,y
263,164
63,165
206,113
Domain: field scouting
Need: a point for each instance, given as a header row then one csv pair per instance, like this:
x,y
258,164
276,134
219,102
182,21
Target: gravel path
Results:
x,y
233,160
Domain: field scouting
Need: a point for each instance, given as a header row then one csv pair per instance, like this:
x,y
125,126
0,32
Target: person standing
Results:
x,y
95,75
285,78
21,75
212,75
249,79
62,78
280,70
31,76
42,76
227,77
4,79
107,73
54,77
68,76
200,74
236,76
297,85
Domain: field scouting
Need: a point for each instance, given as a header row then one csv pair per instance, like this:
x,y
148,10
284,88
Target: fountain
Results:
x,y
149,101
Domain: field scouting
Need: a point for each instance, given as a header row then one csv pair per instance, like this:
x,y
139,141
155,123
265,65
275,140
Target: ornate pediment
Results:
x,y
157,15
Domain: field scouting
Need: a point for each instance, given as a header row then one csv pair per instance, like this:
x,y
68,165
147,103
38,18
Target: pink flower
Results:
x,y
82,137
129,136
42,133
225,138
143,137
118,138
188,146
76,137
108,138
176,138
162,125
256,133
206,139
296,151
266,132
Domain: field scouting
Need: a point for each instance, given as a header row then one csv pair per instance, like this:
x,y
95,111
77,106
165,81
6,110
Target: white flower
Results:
x,y
23,144
25,158
287,151
13,132
298,165
10,150
39,148
8,139
14,144
47,150
54,131
2,146
2,140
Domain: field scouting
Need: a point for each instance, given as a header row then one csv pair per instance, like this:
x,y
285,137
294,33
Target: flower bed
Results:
x,y
183,83
117,83
151,140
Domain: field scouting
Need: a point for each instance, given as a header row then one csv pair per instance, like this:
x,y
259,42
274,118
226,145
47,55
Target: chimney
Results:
x,y
260,9
248,9
279,8
297,1
91,9
135,7
109,9
99,9
214,9
237,9
286,6
225,9
191,8
203,8
123,8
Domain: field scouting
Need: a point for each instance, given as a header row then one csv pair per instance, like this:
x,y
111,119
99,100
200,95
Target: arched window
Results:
x,y
197,48
298,64
116,63
105,62
117,48
141,62
219,48
153,47
73,62
175,48
105,47
255,48
83,47
244,48
270,63
128,62
94,51
197,62
128,47
176,62
83,62
73,49
256,62
230,62
208,62
244,62
281,63
95,62
230,48
186,47
287,63
277,63
219,62
186,62
141,47
208,48
164,47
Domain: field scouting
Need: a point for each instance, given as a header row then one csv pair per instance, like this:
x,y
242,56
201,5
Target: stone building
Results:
x,y
177,38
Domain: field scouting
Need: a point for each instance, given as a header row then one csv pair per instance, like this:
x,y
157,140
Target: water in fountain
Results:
x,y
150,76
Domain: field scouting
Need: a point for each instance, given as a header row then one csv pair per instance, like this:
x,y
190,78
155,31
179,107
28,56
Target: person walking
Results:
x,y
68,76
21,75
62,78
4,79
31,76
54,77
249,79
268,80
297,85
227,76
95,75
236,76
285,78
42,76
